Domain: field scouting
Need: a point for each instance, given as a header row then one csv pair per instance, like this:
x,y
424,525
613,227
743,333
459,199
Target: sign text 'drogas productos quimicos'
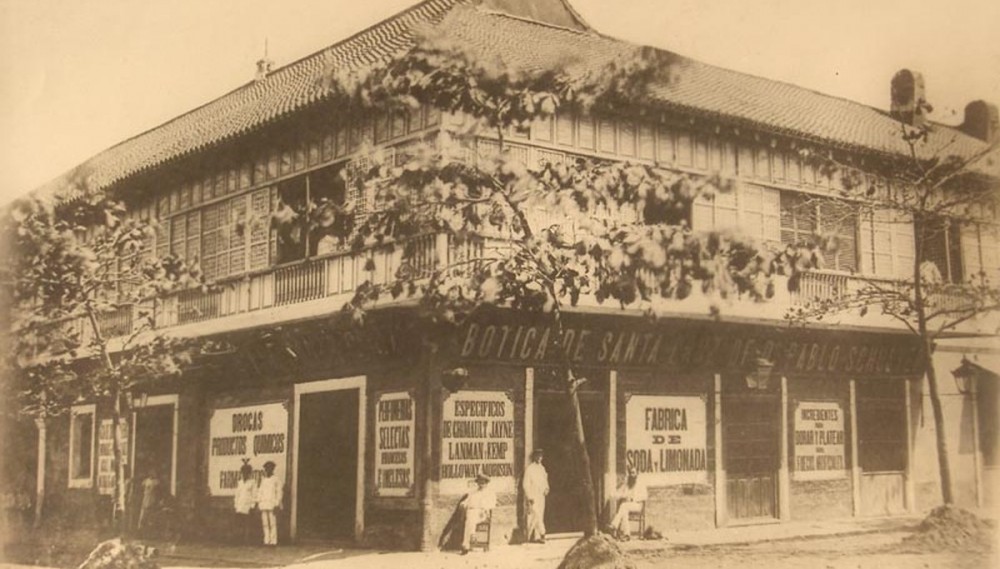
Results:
x,y
256,433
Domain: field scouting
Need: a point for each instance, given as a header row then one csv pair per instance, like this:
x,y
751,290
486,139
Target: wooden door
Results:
x,y
751,450
882,448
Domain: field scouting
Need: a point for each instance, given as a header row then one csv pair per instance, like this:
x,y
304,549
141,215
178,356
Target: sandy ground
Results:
x,y
879,551
883,550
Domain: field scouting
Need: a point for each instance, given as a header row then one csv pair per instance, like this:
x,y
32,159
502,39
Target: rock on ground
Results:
x,y
596,552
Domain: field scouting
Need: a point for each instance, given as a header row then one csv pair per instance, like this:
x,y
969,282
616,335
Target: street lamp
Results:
x,y
760,377
964,375
454,379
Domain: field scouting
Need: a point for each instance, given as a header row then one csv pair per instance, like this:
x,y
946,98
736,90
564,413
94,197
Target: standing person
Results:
x,y
150,500
536,488
268,500
244,501
475,506
633,496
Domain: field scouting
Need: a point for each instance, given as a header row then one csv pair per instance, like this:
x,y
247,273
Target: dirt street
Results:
x,y
871,551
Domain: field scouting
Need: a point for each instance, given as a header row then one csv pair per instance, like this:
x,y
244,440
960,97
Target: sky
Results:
x,y
78,76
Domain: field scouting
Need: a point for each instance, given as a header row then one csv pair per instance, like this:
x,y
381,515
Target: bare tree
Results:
x,y
938,196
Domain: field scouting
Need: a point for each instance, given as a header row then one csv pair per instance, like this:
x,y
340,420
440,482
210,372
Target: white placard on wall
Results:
x,y
258,433
106,454
819,441
666,438
394,444
477,437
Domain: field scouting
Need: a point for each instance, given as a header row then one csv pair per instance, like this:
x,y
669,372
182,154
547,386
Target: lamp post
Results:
x,y
760,377
965,381
965,376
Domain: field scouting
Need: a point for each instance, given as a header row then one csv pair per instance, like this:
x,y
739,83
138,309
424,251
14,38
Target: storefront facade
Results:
x,y
379,448
376,435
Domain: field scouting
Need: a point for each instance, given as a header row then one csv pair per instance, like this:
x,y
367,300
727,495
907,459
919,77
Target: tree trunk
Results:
x,y
927,343
944,463
590,498
572,383
118,505
40,473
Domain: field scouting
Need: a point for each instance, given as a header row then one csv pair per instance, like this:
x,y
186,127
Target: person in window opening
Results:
x,y
268,500
632,497
475,507
536,489
150,500
244,501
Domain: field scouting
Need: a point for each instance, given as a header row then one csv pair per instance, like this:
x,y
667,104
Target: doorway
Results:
x,y
565,508
327,501
882,448
751,438
154,442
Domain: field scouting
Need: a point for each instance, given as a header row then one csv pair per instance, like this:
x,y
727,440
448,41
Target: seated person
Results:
x,y
632,496
474,506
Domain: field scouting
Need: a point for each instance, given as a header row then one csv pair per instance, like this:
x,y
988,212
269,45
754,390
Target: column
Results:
x,y
855,467
784,490
977,456
611,467
910,495
529,414
721,511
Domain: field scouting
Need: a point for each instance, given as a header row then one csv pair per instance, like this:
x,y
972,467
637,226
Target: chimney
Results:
x,y
263,68
908,99
981,121
264,64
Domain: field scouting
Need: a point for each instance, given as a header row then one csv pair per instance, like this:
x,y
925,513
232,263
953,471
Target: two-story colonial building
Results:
x,y
374,444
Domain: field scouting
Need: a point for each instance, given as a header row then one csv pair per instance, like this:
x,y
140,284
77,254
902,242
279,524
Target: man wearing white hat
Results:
x,y
475,505
536,488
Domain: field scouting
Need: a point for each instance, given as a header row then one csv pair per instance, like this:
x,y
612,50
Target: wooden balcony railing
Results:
x,y
339,275
300,282
313,279
195,305
117,322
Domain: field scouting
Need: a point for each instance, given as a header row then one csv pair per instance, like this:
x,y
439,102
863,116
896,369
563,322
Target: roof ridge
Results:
x,y
501,13
755,76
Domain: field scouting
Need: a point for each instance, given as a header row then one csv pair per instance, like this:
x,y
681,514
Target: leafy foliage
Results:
x,y
74,268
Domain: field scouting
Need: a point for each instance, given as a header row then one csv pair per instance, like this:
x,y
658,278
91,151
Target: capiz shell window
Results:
x,y
81,446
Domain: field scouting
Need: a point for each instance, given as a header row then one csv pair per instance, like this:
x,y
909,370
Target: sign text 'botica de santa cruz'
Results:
x,y
685,346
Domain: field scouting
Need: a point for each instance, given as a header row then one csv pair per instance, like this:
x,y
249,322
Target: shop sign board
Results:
x,y
691,347
477,437
106,454
819,441
255,434
394,450
666,438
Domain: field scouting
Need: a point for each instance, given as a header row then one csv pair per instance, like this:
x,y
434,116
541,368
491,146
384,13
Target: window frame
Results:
x,y
819,227
77,411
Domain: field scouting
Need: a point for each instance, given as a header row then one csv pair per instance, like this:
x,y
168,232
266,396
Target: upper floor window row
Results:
x,y
880,243
307,150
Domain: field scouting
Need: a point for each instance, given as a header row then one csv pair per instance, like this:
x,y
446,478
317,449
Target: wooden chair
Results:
x,y
637,522
481,536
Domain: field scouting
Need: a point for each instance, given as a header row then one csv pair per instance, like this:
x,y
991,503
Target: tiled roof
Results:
x,y
694,87
703,89
257,103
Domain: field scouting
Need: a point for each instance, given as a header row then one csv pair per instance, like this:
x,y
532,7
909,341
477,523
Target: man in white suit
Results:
x,y
536,487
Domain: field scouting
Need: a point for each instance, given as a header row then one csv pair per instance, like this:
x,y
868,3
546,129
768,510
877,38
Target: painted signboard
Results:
x,y
666,438
255,434
394,440
819,441
477,434
106,455
691,346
